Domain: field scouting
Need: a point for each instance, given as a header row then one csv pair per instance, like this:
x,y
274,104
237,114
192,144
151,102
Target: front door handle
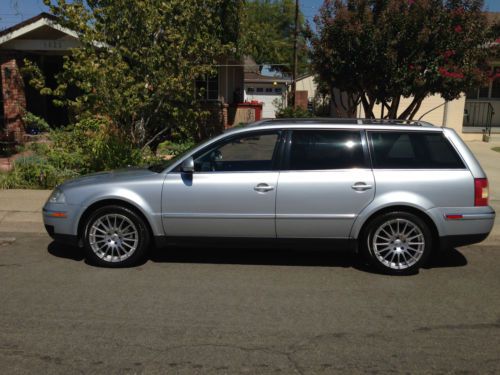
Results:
x,y
361,186
262,188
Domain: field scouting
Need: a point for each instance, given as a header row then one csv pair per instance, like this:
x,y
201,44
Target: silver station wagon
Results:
x,y
392,191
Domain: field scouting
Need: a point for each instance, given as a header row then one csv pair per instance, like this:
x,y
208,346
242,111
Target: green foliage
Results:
x,y
291,112
34,122
380,51
139,60
267,34
34,172
497,149
170,148
91,145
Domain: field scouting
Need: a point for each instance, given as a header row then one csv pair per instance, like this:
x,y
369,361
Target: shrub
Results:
x,y
34,124
291,112
173,148
34,172
91,145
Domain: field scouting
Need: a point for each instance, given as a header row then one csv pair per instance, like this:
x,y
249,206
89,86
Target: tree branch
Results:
x,y
155,136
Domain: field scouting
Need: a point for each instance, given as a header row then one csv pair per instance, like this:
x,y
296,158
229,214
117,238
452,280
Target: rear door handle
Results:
x,y
361,186
262,188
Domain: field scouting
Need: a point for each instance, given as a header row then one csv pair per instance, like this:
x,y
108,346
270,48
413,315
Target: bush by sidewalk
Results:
x,y
90,145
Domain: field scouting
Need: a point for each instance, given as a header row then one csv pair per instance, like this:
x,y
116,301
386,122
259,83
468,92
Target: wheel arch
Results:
x,y
111,202
405,208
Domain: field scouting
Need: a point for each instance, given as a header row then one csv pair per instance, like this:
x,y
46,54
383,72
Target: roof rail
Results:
x,y
395,122
333,120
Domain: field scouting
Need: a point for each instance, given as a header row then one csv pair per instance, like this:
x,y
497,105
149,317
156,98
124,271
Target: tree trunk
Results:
x,y
393,110
416,103
367,106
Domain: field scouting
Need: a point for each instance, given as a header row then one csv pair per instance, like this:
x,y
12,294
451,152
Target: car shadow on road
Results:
x,y
447,258
267,256
287,257
65,251
261,256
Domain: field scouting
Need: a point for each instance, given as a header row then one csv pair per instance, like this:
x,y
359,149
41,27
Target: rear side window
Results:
x,y
417,150
326,149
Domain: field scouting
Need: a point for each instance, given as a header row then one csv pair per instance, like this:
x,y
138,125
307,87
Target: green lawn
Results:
x,y
497,149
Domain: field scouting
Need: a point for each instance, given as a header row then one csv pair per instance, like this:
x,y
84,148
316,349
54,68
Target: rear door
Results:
x,y
325,183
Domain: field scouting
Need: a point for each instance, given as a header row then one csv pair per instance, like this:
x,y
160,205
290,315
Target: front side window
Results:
x,y
417,150
326,149
242,154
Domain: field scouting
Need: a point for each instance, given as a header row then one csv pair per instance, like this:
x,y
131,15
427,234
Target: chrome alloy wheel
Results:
x,y
398,244
113,237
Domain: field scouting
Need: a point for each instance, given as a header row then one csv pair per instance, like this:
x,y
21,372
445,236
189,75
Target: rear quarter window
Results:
x,y
326,149
413,150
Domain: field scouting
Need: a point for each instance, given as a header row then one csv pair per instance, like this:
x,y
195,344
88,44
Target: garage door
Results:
x,y
268,107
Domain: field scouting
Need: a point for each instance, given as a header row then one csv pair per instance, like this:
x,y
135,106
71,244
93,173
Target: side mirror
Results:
x,y
187,165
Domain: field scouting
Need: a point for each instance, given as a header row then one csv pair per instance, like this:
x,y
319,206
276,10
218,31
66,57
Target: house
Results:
x,y
268,90
42,40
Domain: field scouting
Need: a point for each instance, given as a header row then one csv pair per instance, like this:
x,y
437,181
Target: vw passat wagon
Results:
x,y
395,192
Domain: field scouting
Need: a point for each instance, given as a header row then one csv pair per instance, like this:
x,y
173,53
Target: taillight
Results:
x,y
481,192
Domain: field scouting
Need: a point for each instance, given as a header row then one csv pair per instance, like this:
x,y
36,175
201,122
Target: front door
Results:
x,y
232,192
326,184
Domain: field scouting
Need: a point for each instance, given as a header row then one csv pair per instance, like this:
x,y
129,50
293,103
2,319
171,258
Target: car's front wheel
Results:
x,y
115,236
397,242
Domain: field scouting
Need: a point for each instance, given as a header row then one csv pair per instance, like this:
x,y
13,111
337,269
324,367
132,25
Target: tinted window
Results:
x,y
247,153
326,149
398,150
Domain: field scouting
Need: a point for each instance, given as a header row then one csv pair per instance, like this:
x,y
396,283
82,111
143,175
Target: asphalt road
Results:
x,y
208,311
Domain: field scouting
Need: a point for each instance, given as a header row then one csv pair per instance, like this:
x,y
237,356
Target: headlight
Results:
x,y
57,196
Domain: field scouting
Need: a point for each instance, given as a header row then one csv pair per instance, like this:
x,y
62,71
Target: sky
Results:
x,y
11,14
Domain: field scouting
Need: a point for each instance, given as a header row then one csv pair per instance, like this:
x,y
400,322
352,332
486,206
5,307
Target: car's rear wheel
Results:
x,y
115,236
397,243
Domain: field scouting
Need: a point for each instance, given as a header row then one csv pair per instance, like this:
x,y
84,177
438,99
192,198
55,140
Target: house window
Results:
x,y
495,89
490,91
269,89
278,90
484,92
260,89
250,90
207,87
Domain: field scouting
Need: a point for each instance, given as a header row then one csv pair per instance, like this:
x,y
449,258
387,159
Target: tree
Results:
x,y
379,51
267,33
139,60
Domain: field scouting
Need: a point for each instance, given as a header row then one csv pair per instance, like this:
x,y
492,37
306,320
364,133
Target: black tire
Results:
x,y
139,240
414,251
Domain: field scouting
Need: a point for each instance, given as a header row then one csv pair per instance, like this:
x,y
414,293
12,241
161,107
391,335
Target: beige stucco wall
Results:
x,y
441,114
307,84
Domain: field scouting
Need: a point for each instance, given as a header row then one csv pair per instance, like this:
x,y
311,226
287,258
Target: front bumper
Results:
x,y
61,221
66,239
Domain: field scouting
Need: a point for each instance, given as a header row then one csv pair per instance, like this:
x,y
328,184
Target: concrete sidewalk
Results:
x,y
21,210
